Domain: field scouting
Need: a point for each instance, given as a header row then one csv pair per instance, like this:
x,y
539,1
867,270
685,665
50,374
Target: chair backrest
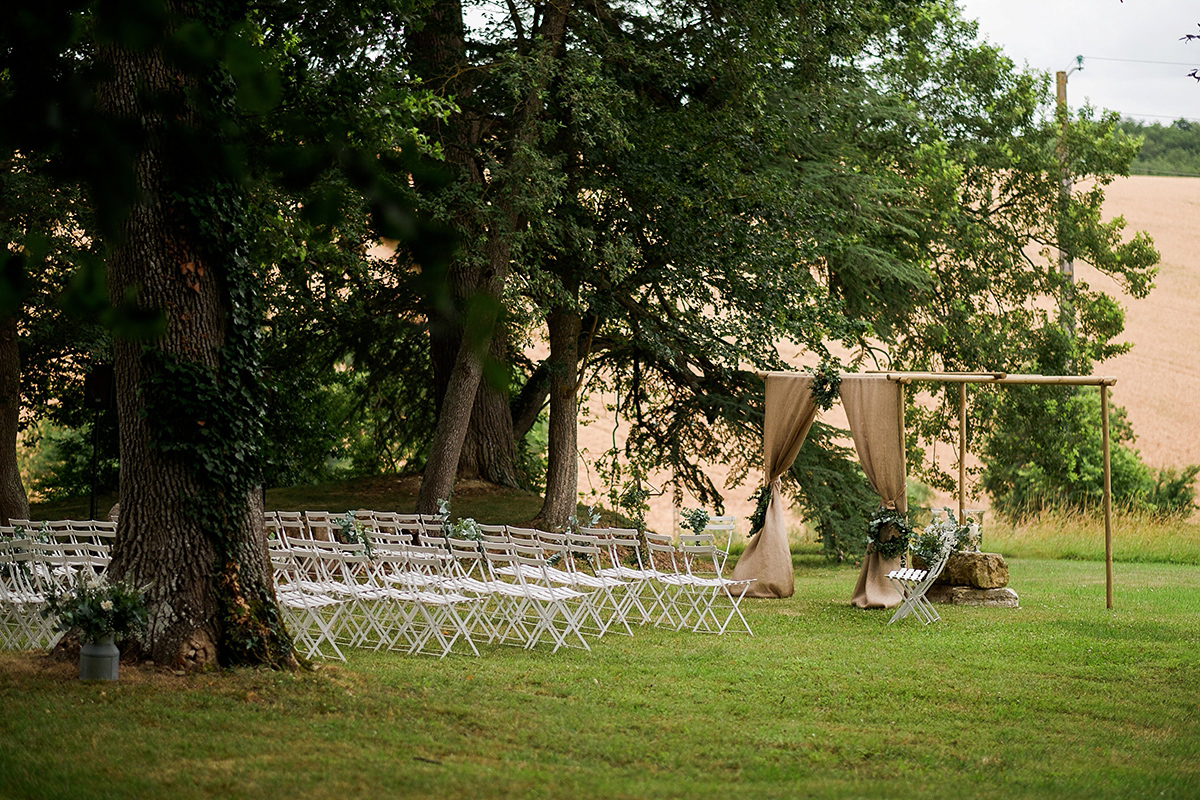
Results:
x,y
585,551
618,541
701,556
723,530
530,559
366,518
290,528
552,545
468,557
662,551
500,561
320,526
523,536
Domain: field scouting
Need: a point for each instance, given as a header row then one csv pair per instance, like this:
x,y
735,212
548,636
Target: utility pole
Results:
x,y
1066,263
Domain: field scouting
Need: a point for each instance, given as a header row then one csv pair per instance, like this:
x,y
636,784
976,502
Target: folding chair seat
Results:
x,y
913,584
715,594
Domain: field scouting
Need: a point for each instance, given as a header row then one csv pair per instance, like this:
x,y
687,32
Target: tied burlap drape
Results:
x,y
788,416
875,410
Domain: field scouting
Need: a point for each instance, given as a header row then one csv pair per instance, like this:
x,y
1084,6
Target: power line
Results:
x,y
1141,61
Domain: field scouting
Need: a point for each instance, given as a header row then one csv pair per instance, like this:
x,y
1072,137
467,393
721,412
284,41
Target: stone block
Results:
x,y
969,596
977,570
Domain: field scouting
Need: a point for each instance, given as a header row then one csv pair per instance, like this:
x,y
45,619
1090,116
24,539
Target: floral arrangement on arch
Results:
x,y
895,547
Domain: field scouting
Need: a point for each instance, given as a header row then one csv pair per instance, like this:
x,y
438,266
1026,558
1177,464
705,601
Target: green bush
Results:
x,y
1045,452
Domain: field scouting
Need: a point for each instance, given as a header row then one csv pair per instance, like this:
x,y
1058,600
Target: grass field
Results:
x,y
1059,698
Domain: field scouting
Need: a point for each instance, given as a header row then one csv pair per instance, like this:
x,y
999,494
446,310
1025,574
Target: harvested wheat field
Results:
x,y
1157,381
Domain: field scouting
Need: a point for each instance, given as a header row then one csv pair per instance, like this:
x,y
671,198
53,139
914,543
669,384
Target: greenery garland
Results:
x,y
881,520
762,499
826,385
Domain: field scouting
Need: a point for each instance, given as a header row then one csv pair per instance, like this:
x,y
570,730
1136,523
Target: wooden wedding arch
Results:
x,y
997,378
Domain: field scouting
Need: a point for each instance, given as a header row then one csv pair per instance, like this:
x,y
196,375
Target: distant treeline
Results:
x,y
1168,150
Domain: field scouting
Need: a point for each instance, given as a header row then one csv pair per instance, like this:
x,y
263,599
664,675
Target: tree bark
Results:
x,y
490,449
562,472
14,503
209,584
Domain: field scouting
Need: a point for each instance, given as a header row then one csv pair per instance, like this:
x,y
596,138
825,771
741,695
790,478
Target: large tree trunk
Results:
x,y
562,472
187,530
439,51
437,482
490,449
13,500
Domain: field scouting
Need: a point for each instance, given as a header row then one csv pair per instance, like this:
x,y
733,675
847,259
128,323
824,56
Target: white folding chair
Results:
x,y
712,591
539,609
614,542
722,530
664,565
913,584
22,626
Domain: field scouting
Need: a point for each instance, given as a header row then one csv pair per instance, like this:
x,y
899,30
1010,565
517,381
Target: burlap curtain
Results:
x,y
875,410
788,416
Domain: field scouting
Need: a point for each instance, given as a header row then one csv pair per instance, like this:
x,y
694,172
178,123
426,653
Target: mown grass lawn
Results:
x,y
1060,698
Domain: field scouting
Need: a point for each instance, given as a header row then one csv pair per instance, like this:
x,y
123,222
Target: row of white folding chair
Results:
x,y
609,596
517,600
75,530
532,605
398,598
521,598
31,571
694,592
324,526
22,598
394,522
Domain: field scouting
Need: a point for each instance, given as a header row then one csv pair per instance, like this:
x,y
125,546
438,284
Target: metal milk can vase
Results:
x,y
99,660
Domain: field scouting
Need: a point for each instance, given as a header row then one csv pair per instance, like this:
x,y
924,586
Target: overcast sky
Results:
x,y
1113,37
